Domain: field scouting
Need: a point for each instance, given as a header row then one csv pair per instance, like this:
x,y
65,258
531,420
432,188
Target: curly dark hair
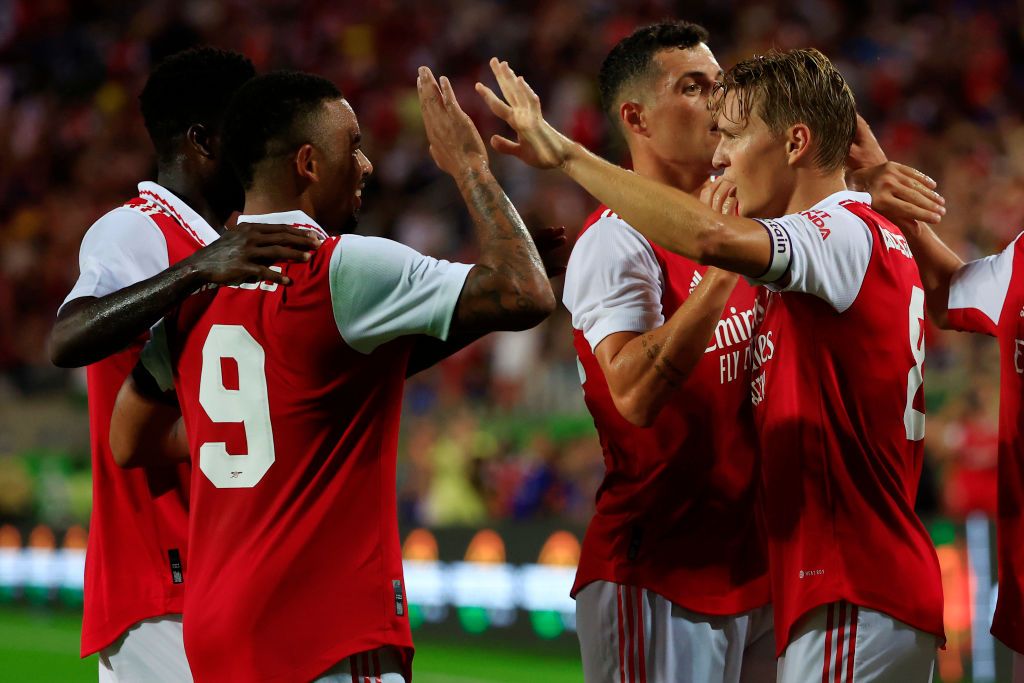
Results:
x,y
188,88
270,115
631,57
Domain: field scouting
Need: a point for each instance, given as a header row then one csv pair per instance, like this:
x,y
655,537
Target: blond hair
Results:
x,y
798,86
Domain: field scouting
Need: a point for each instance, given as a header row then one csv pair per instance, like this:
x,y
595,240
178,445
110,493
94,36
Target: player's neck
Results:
x,y
811,187
189,190
688,178
259,202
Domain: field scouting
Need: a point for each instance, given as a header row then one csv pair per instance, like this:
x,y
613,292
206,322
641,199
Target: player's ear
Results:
x,y
200,139
798,143
633,118
307,165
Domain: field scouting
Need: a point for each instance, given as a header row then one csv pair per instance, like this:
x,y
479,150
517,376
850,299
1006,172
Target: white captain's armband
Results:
x,y
782,251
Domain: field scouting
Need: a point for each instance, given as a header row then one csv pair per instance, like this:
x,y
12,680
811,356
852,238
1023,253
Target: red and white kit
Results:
x,y
137,554
672,582
839,409
291,398
987,296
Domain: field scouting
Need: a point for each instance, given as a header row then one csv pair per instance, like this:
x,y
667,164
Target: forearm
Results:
x,y
648,370
672,218
90,329
937,264
508,288
145,431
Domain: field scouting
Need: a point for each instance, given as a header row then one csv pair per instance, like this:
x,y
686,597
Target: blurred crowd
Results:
x,y
941,83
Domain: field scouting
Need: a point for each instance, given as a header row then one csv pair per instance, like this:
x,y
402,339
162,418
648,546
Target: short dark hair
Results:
x,y
631,57
798,86
270,112
191,87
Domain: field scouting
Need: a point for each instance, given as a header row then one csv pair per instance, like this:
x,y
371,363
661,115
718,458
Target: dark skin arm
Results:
x,y
146,430
508,288
89,329
429,351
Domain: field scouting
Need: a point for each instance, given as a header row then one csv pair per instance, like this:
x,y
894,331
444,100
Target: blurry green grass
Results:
x,y
42,647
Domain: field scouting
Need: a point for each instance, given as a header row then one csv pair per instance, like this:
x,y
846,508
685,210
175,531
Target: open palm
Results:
x,y
537,142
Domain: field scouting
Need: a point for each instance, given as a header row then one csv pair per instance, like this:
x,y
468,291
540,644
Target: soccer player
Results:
x,y
836,360
291,397
672,583
137,262
987,296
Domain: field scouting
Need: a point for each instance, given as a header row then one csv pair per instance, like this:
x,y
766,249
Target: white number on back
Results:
x,y
913,419
248,404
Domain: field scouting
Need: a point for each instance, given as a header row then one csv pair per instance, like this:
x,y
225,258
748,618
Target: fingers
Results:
x,y
448,94
274,229
274,254
729,206
494,103
910,206
270,275
304,240
550,237
903,212
505,146
507,82
723,196
916,175
706,192
428,91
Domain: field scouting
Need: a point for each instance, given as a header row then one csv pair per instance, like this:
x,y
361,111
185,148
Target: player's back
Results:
x,y
296,561
291,398
840,415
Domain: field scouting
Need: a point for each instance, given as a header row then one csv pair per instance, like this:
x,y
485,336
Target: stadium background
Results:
x,y
498,437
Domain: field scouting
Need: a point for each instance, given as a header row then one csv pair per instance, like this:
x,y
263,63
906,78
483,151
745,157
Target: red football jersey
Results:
x,y
839,408
987,296
677,512
136,556
295,561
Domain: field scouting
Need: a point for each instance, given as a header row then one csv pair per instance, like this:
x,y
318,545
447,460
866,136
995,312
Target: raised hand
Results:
x,y
900,193
537,142
455,143
246,253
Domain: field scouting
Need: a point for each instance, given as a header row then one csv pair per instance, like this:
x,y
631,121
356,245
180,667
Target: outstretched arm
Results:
x,y
429,351
661,213
507,289
91,328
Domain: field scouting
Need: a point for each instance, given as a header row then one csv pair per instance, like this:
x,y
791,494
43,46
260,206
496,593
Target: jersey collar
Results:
x,y
295,218
843,196
191,221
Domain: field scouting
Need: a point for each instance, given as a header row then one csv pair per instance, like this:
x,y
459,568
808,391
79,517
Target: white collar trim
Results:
x,y
295,218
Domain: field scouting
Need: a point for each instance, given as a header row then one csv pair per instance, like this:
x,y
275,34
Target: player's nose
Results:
x,y
364,164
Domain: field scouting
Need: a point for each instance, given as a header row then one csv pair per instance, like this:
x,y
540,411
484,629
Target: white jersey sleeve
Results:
x,y
381,290
121,248
613,282
819,252
978,291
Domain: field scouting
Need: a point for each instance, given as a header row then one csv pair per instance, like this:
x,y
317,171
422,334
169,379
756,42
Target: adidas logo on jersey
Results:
x,y
697,278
